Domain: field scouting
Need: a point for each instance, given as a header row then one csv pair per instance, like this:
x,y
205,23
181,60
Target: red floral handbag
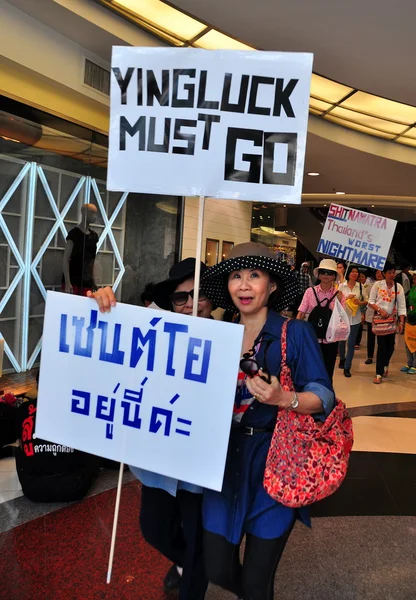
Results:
x,y
307,460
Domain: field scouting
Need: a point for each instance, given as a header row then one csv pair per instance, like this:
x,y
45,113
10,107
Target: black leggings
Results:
x,y
254,579
173,525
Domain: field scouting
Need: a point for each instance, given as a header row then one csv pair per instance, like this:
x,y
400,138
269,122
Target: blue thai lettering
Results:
x,y
156,423
132,399
184,431
78,323
80,402
116,356
105,408
63,345
138,342
193,357
172,329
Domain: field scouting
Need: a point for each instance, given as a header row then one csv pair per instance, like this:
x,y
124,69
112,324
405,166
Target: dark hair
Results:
x,y
389,267
274,296
350,270
147,295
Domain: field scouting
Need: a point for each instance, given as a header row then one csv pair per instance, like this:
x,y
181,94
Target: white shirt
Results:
x,y
385,298
357,289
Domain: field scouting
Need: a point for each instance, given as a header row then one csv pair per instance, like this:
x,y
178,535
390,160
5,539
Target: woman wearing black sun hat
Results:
x,y
256,285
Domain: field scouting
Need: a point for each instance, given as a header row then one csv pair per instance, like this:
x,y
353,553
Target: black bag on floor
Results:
x,y
50,472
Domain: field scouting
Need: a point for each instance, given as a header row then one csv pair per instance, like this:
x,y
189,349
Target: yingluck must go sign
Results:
x,y
149,388
219,123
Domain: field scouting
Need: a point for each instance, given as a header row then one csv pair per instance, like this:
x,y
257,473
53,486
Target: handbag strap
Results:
x,y
285,375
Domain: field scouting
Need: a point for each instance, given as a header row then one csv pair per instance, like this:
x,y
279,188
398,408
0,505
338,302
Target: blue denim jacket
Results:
x,y
163,482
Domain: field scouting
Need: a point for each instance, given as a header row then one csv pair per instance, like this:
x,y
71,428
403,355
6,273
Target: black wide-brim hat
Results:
x,y
178,273
251,256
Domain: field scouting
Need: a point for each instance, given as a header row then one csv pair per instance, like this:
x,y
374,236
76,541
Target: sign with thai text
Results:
x,y
355,236
149,388
219,123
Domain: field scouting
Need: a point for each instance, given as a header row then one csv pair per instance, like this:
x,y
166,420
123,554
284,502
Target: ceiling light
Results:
x,y
167,207
313,174
164,16
372,206
328,90
214,40
340,193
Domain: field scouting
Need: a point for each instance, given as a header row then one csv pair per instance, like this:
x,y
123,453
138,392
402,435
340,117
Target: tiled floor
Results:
x,y
361,547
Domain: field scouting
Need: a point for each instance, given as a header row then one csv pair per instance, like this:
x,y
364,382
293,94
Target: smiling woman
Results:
x,y
255,283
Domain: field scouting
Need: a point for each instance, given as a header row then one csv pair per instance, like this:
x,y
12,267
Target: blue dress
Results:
x,y
243,506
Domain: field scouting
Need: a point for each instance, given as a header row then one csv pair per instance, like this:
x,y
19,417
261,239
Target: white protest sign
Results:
x,y
356,236
221,123
149,388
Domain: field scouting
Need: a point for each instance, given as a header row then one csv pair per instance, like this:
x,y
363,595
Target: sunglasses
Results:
x,y
251,368
326,272
181,298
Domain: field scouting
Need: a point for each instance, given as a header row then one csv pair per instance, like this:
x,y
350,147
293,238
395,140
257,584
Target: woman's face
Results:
x,y
379,276
340,268
362,278
204,305
250,290
390,275
325,278
353,274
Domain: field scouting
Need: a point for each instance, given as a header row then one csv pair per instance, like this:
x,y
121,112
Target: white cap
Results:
x,y
330,265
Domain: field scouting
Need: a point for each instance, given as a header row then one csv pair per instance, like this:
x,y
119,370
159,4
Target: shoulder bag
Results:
x,y
307,459
388,325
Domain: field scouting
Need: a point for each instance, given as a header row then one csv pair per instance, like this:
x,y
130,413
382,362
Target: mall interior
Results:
x,y
55,58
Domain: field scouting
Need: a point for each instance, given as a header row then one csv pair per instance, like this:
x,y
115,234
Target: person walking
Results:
x,y
355,296
341,272
171,510
387,299
305,280
323,295
258,286
369,315
410,330
362,279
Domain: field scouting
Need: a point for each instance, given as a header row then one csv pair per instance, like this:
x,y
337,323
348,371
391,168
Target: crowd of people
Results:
x,y
384,302
201,531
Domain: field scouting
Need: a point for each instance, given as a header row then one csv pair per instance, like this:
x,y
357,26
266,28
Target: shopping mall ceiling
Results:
x,y
365,44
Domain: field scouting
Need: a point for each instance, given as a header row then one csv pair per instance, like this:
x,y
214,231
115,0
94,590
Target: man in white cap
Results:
x,y
305,280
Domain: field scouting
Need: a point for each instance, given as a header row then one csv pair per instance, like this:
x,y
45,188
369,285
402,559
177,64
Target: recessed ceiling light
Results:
x,y
312,174
372,206
325,205
340,193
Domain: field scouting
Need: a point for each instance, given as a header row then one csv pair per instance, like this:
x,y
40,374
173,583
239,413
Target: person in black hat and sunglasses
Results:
x,y
257,285
170,512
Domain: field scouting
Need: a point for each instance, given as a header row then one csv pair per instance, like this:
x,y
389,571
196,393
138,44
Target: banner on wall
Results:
x,y
149,388
225,124
355,236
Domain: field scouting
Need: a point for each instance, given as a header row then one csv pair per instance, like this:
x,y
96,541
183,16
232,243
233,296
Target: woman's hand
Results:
x,y
266,393
351,297
383,313
400,328
104,297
